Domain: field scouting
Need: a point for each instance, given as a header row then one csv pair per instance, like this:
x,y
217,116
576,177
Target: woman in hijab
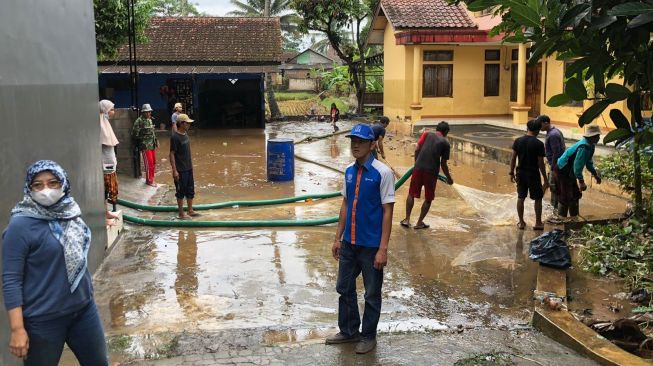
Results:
x,y
46,285
109,161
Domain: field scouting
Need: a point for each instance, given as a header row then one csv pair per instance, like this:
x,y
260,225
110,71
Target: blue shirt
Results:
x,y
375,183
584,151
34,272
379,131
554,144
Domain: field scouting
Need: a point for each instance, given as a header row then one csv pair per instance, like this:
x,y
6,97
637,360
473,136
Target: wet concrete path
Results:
x,y
159,287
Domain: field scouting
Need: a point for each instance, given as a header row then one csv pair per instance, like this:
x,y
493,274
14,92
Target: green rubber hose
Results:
x,y
231,223
258,223
252,203
214,206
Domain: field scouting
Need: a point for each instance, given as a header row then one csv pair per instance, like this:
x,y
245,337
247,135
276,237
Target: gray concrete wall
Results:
x,y
122,123
49,104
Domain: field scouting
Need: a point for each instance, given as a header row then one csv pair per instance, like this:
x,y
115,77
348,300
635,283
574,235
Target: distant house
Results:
x,y
213,65
440,61
298,69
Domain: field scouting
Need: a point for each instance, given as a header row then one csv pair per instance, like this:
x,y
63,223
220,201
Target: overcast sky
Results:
x,y
214,7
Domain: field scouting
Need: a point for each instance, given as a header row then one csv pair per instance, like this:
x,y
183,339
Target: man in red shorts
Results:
x,y
431,154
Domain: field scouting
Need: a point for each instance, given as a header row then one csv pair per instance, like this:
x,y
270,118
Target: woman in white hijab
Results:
x,y
109,161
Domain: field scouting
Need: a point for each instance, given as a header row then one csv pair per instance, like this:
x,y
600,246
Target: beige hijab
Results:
x,y
107,136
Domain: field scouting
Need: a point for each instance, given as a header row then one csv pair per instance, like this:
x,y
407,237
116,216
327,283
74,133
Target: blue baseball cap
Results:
x,y
363,131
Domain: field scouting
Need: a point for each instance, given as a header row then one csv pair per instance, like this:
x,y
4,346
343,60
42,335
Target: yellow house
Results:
x,y
440,61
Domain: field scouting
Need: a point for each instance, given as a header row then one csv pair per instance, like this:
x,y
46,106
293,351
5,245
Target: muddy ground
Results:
x,y
456,290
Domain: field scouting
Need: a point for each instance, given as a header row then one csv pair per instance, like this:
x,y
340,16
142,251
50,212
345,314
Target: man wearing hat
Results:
x,y
178,109
182,166
361,242
569,171
145,138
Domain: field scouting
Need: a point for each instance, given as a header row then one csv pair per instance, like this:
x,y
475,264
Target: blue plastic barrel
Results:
x,y
281,160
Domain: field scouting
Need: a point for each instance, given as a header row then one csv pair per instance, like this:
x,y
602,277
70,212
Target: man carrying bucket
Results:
x,y
361,242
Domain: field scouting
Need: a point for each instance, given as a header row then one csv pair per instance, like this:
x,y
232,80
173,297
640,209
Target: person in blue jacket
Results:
x,y
46,285
569,172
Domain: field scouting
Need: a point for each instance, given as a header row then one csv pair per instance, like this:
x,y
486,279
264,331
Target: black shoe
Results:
x,y
365,345
341,338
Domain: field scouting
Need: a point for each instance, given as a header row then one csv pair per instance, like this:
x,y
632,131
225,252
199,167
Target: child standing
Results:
x,y
335,116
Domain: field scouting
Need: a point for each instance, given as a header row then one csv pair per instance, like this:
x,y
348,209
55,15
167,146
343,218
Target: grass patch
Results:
x,y
119,344
494,358
299,95
344,108
169,349
622,250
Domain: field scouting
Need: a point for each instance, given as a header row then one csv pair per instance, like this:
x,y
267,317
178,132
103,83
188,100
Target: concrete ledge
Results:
x,y
565,329
113,231
575,225
562,327
476,148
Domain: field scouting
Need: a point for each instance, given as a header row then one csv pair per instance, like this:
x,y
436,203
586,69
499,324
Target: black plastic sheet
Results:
x,y
551,250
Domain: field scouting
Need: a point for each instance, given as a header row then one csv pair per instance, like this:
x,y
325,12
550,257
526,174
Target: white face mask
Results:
x,y
48,196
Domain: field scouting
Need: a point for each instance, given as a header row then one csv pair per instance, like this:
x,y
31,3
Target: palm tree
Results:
x,y
277,8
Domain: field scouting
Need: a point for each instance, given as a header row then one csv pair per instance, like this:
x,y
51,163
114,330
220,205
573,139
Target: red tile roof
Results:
x,y
210,40
426,14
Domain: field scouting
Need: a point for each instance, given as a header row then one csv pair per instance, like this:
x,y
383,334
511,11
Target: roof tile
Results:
x,y
426,14
210,40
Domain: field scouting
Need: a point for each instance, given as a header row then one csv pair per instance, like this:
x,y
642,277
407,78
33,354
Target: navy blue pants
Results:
x,y
81,330
353,261
185,185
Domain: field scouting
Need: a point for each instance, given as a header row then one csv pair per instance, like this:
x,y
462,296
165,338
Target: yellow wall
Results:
x,y
397,77
468,76
468,85
468,79
554,71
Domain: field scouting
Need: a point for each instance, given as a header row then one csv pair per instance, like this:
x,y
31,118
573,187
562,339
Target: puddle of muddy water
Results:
x,y
461,271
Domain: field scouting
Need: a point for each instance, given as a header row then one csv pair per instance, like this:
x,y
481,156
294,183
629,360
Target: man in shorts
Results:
x,y
182,166
431,154
529,152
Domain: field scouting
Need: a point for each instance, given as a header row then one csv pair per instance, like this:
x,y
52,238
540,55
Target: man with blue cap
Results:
x,y
361,242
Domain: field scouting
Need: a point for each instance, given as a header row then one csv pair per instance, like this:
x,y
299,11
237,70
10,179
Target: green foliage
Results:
x,y
172,8
335,80
342,106
605,38
111,23
337,19
624,250
618,167
283,96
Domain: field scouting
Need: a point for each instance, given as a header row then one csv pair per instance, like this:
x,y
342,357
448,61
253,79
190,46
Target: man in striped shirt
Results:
x,y
361,242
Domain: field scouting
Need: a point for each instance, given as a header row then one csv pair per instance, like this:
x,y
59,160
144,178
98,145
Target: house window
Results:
x,y
438,80
514,54
438,55
513,82
492,73
573,103
492,55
